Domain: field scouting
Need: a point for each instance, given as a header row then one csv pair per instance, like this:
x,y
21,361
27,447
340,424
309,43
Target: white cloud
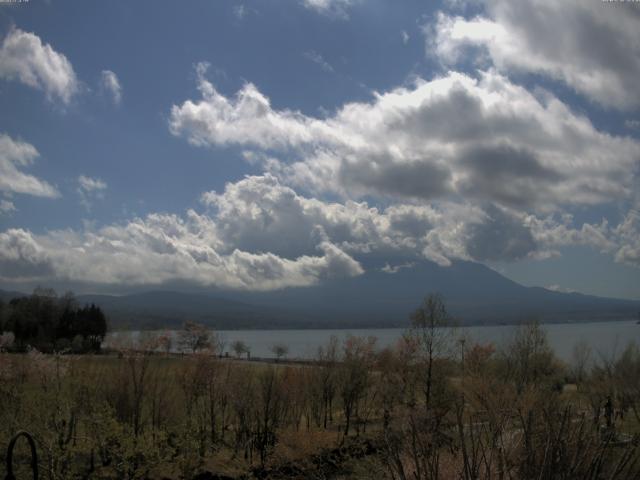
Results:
x,y
90,189
621,241
498,166
396,268
405,37
21,257
162,248
318,59
240,11
25,58
261,235
483,139
628,234
15,155
246,119
335,8
91,185
632,124
6,207
259,213
593,47
110,84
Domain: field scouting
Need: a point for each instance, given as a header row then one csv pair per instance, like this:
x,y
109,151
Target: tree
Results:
x,y
194,337
49,323
92,326
270,410
528,358
327,368
3,313
355,375
580,358
279,350
431,328
240,348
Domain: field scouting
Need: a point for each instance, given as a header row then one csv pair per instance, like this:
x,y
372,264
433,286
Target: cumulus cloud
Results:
x,y
473,168
246,119
622,241
22,258
259,234
259,213
15,155
485,139
161,248
110,84
90,189
24,57
593,47
628,233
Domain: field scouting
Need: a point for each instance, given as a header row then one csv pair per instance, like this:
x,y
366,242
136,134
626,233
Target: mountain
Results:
x,y
473,293
159,309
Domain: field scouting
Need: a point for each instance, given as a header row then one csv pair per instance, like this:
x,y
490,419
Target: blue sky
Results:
x,y
261,145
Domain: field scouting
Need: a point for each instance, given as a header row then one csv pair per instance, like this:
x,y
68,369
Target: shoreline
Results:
x,y
368,327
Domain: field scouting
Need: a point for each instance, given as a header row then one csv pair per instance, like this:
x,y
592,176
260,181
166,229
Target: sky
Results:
x,y
256,145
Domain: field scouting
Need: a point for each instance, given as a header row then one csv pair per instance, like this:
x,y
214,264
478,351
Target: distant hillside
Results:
x,y
473,292
170,309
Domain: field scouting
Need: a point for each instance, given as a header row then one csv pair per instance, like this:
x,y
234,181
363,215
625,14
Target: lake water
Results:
x,y
604,338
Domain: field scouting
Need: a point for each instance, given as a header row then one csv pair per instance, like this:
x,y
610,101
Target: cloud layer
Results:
x,y
461,166
486,139
259,234
161,248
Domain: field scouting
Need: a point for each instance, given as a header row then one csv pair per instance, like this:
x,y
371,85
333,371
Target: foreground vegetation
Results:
x,y
433,406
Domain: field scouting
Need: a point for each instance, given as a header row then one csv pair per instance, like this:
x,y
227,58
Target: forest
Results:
x,y
49,323
433,406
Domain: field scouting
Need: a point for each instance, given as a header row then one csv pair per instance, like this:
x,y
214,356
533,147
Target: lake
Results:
x,y
604,338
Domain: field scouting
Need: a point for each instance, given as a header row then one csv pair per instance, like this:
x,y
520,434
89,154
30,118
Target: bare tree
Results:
x,y
431,327
580,358
528,358
280,350
239,347
355,375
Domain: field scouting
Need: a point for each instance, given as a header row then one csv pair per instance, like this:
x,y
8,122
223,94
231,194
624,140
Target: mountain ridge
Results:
x,y
474,294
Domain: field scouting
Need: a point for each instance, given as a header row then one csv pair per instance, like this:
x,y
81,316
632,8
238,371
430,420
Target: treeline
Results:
x,y
434,406
50,323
